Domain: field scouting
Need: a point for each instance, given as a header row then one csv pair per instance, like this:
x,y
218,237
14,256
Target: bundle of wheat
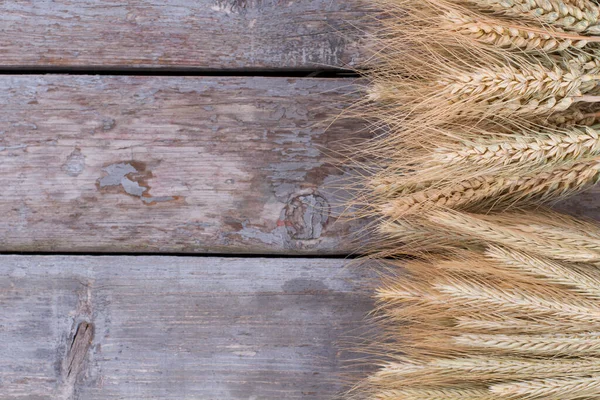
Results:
x,y
486,103
482,109
509,311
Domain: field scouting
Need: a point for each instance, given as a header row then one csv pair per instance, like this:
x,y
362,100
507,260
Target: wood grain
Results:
x,y
180,34
585,205
172,164
176,327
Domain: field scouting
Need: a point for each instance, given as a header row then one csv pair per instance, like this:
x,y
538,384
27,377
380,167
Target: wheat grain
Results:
x,y
574,15
551,389
583,282
550,345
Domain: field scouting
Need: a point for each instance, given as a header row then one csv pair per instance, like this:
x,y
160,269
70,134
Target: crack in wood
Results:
x,y
74,360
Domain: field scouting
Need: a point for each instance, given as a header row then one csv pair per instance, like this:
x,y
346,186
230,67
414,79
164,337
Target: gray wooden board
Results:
x,y
172,164
585,205
180,34
176,327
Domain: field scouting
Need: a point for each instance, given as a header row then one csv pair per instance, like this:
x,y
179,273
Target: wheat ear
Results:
x,y
530,89
574,15
550,389
442,370
554,183
551,271
473,295
434,393
503,36
547,345
569,246
511,325
520,149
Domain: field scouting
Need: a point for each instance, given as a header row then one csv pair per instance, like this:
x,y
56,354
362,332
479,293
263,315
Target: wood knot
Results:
x,y
307,216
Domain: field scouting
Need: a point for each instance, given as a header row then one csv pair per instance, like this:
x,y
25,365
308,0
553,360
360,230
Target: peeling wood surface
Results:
x,y
180,34
172,164
176,327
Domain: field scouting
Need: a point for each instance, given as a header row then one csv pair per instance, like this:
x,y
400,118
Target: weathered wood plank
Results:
x,y
586,204
176,327
170,164
179,34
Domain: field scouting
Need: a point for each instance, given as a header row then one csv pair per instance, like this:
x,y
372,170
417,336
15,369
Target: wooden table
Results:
x,y
170,224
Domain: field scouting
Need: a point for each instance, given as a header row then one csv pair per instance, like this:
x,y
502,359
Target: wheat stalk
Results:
x,y
568,246
551,389
550,345
574,15
552,271
436,393
503,36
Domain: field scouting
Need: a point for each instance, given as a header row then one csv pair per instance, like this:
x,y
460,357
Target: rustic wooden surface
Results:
x,y
172,164
585,205
180,34
86,328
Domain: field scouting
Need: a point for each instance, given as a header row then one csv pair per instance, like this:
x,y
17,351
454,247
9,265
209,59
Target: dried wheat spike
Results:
x,y
508,37
513,325
441,371
584,282
551,389
574,144
574,15
542,186
456,196
532,89
560,243
474,295
546,345
436,393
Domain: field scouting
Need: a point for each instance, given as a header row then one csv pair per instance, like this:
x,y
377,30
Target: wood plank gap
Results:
x,y
282,73
192,255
